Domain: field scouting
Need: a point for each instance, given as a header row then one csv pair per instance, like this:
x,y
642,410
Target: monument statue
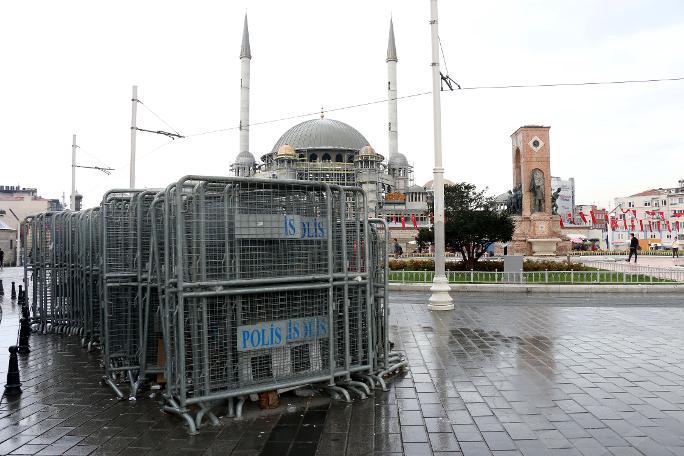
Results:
x,y
554,201
514,201
537,190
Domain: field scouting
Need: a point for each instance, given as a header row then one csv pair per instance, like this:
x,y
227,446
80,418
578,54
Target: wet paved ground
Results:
x,y
503,374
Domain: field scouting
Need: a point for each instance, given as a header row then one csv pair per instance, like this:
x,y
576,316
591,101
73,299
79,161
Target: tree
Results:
x,y
472,222
425,238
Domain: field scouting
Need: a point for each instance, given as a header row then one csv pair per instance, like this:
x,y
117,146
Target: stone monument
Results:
x,y
536,227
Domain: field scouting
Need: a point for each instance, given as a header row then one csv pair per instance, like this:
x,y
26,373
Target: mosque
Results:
x,y
331,151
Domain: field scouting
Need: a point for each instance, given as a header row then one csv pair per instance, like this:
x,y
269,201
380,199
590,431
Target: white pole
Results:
x,y
73,173
134,112
440,299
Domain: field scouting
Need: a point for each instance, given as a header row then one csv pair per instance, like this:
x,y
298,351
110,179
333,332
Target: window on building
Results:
x,y
313,158
647,203
630,204
326,157
656,204
664,202
680,200
338,158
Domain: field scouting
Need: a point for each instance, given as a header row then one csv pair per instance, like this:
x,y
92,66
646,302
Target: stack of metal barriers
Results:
x,y
220,288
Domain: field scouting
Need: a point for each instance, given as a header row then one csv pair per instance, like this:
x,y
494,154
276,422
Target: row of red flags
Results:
x,y
615,224
402,219
660,214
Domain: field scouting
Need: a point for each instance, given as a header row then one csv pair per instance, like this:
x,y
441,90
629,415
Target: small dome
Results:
x,y
397,160
367,150
286,151
429,184
245,158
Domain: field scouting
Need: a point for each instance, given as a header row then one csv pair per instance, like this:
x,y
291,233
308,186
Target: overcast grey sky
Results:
x,y
68,67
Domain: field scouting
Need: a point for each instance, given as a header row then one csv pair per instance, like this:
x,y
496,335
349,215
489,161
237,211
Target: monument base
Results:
x,y
536,234
544,247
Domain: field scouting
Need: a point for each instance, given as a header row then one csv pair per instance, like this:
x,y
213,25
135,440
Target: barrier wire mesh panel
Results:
x,y
219,287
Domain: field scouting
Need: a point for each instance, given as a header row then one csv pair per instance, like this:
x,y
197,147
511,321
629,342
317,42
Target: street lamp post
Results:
x,y
440,299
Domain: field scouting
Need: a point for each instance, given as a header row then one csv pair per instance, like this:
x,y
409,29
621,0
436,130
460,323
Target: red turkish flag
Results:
x,y
658,225
583,217
662,215
562,225
606,217
641,224
633,227
667,223
650,226
413,220
624,222
677,225
634,212
403,223
570,218
593,217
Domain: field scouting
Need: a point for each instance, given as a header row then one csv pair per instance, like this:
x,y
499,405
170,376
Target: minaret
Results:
x,y
392,92
244,165
245,59
397,164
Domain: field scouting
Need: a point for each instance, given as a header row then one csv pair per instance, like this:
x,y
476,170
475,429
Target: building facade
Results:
x,y
327,150
17,203
566,197
660,211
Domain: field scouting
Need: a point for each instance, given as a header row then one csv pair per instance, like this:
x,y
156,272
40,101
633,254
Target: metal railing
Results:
x,y
599,277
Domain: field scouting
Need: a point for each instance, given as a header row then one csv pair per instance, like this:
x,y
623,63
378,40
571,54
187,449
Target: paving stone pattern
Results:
x,y
502,375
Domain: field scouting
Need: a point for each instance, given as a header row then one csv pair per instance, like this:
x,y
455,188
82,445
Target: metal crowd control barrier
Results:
x,y
122,331
222,288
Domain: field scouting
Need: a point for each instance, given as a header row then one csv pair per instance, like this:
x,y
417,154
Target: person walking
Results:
x,y
398,251
675,247
2,259
633,247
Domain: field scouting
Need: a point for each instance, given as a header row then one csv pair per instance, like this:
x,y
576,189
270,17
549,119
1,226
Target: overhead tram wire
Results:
x,y
158,117
414,95
460,88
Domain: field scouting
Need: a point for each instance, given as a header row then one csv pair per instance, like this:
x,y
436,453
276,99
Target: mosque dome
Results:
x,y
320,134
245,158
397,160
286,151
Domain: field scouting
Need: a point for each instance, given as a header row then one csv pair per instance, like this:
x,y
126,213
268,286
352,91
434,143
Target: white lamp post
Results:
x,y
440,299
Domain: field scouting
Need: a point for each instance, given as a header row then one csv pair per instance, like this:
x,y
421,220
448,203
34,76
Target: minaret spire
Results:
x,y
392,92
245,51
391,47
245,163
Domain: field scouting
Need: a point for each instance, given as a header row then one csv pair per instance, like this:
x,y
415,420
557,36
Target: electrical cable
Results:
x,y
158,117
419,94
414,95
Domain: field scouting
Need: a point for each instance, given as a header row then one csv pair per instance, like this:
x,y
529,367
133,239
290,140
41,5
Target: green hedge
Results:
x,y
528,265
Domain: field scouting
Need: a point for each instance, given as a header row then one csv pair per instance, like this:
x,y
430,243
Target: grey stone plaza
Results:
x,y
503,374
